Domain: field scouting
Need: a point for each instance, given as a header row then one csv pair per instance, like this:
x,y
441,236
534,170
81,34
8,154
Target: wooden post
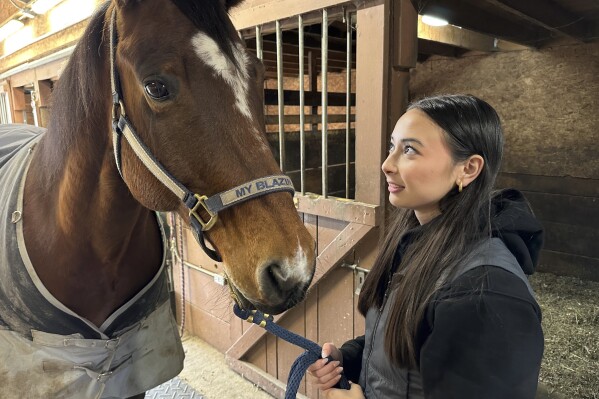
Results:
x,y
372,76
387,33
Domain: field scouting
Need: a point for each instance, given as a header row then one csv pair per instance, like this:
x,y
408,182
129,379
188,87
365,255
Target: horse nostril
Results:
x,y
282,289
278,279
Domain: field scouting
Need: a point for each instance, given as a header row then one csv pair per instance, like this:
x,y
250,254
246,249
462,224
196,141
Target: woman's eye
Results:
x,y
409,150
391,148
157,90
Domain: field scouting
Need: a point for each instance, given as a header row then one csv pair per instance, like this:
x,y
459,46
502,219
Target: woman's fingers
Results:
x,y
326,374
329,381
317,365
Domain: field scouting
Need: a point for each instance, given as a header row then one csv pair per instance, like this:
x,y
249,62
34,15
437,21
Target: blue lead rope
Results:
x,y
298,369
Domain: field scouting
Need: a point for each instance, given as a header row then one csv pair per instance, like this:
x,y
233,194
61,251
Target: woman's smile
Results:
x,y
394,188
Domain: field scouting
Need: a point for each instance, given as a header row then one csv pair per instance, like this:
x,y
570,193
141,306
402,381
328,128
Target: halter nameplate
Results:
x,y
250,190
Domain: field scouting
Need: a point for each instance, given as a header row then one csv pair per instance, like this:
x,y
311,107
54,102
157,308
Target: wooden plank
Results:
x,y
567,209
257,12
335,294
51,70
196,255
44,92
372,78
291,97
550,184
329,257
257,354
264,380
572,239
548,15
569,265
405,34
311,319
24,78
287,353
463,38
473,17
364,255
204,293
339,208
272,360
295,119
211,329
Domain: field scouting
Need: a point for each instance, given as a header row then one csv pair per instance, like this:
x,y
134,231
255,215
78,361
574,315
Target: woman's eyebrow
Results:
x,y
410,140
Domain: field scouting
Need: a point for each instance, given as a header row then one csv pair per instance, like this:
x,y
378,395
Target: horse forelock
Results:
x,y
211,18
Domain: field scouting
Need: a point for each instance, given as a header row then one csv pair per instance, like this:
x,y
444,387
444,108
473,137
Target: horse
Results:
x,y
159,109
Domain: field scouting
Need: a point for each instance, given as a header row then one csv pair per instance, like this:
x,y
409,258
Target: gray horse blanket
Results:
x,y
46,349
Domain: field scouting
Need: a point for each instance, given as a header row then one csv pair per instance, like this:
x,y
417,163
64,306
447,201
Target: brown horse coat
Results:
x,y
60,354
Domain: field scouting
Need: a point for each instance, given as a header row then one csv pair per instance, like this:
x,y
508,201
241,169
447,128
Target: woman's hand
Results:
x,y
355,392
327,373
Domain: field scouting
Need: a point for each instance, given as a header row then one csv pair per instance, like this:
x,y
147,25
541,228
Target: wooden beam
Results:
x,y
339,209
332,255
429,47
548,15
259,377
258,12
291,97
372,86
462,38
290,44
467,15
295,119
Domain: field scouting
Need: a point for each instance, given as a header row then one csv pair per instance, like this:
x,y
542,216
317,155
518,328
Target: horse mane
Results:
x,y
79,106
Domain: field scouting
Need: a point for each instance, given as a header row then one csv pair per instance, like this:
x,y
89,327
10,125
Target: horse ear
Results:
x,y
232,3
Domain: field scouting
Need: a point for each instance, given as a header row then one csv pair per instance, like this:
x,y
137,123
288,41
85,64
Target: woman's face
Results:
x,y
419,168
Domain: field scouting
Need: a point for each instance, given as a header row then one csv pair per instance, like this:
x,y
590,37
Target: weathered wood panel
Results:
x,y
569,265
568,208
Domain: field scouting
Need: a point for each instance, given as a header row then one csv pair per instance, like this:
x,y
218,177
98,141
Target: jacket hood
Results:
x,y
513,221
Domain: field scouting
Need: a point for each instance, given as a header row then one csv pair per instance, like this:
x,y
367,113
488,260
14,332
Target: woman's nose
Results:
x,y
388,165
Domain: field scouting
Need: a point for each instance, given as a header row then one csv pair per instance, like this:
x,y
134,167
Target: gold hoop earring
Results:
x,y
460,187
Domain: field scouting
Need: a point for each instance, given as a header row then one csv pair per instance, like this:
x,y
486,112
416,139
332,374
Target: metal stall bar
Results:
x,y
348,27
259,51
280,95
300,25
323,78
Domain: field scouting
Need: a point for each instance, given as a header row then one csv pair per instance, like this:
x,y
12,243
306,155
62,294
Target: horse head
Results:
x,y
194,96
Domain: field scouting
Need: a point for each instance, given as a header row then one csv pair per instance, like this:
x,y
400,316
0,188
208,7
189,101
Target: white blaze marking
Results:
x,y
298,267
209,51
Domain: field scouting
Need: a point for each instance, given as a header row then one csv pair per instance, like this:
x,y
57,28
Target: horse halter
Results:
x,y
122,127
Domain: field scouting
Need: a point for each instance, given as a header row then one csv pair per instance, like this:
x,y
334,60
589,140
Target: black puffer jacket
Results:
x,y
481,336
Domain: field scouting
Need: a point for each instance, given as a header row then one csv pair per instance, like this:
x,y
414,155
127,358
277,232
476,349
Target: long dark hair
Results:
x,y
471,126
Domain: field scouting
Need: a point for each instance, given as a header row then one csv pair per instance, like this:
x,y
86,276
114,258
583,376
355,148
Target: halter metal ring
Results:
x,y
193,213
118,109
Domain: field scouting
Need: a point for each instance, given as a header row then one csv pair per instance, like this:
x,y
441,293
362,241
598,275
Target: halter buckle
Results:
x,y
194,213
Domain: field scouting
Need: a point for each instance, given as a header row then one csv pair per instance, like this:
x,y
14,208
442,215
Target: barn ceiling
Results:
x,y
534,23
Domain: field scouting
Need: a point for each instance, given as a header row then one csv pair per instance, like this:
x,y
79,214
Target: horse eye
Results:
x,y
157,90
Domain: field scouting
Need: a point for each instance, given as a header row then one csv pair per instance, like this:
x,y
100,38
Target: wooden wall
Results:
x,y
548,100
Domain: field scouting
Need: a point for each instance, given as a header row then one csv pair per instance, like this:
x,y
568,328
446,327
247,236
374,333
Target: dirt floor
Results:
x,y
570,368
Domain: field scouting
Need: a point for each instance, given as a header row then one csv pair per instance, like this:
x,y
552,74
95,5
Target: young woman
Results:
x,y
449,310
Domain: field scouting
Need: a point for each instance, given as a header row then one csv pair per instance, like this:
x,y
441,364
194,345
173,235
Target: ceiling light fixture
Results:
x,y
434,21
